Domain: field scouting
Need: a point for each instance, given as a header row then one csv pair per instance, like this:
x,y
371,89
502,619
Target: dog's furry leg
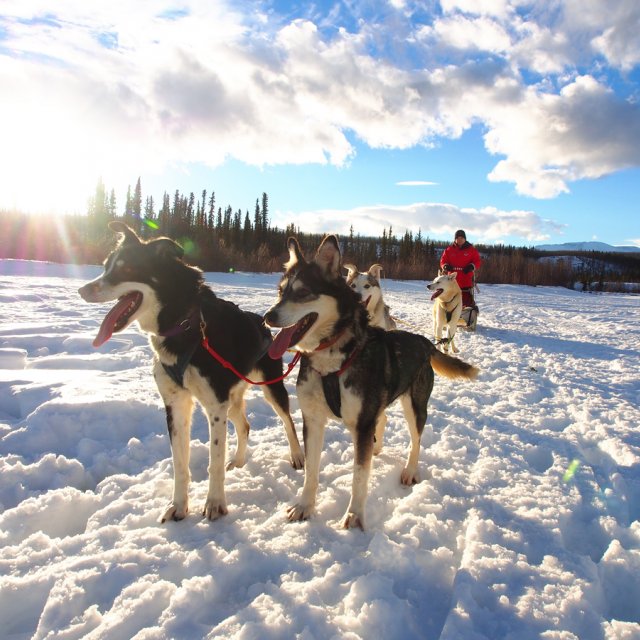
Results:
x,y
216,504
179,409
409,475
438,327
313,433
277,396
238,416
363,452
379,437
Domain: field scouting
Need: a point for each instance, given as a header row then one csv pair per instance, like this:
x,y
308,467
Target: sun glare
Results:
x,y
53,158
50,172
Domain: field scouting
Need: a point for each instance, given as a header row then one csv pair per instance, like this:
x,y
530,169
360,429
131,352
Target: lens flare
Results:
x,y
571,470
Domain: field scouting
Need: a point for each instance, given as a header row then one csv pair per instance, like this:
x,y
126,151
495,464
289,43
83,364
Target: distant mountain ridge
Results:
x,y
587,246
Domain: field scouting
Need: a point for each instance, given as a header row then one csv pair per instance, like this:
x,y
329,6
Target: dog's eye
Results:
x,y
303,292
353,286
126,270
367,286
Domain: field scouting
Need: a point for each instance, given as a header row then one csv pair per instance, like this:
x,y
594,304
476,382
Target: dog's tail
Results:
x,y
450,367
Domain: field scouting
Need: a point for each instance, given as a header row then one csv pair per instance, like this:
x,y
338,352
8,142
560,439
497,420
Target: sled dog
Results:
x,y
447,308
170,301
368,286
349,370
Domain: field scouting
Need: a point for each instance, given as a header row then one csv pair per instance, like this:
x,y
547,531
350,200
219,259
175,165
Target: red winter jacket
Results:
x,y
458,258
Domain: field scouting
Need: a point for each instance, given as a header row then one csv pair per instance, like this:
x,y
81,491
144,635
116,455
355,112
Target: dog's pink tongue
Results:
x,y
437,293
281,342
109,322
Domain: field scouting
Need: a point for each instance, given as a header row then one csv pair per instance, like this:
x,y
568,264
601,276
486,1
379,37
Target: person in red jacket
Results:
x,y
462,258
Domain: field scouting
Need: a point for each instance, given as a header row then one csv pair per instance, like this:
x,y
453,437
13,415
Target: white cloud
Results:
x,y
497,8
416,183
119,88
461,32
550,140
434,220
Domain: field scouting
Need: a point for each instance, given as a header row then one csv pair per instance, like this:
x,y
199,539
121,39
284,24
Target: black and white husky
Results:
x,y
171,302
368,286
350,370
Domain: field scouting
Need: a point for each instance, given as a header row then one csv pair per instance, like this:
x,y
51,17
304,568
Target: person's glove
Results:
x,y
447,267
469,268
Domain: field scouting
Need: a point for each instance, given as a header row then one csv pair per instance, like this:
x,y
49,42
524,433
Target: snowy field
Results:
x,y
526,524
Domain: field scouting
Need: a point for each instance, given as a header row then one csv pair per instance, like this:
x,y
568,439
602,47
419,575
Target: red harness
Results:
x,y
227,365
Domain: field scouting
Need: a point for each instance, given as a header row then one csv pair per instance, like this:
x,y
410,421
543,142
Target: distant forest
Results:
x,y
218,238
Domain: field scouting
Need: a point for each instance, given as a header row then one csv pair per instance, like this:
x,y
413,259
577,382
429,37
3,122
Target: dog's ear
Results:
x,y
375,270
352,271
451,276
127,234
295,255
328,256
165,247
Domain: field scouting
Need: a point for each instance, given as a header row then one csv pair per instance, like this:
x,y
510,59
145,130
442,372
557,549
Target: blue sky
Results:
x,y
517,121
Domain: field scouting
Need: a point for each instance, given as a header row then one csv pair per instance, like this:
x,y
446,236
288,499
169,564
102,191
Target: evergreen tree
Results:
x,y
98,205
189,215
149,208
212,211
202,218
265,213
137,201
165,214
111,208
247,232
98,212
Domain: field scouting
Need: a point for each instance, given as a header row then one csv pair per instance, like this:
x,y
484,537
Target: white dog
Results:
x,y
368,286
446,309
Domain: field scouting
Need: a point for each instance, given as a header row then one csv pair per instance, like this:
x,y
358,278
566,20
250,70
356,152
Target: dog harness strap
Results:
x,y
331,384
176,371
190,321
450,313
330,341
331,388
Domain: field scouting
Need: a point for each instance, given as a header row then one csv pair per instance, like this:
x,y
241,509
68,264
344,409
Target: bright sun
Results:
x,y
54,155
48,169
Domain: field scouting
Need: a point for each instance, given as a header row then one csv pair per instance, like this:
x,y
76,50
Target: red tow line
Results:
x,y
227,365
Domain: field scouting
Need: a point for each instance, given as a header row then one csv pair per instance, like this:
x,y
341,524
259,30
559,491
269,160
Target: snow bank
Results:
x,y
526,524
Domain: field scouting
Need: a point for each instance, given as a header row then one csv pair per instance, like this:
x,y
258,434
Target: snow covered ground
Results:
x,y
526,525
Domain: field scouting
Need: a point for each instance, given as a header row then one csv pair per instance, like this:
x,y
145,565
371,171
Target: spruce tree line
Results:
x,y
218,238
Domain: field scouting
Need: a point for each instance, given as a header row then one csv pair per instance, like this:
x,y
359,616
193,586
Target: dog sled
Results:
x,y
469,316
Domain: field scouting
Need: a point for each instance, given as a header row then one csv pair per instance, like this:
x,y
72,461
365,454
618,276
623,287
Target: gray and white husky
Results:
x,y
368,286
447,307
170,301
350,370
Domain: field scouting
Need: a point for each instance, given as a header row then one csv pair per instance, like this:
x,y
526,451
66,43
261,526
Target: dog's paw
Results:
x,y
298,512
235,463
214,509
409,477
297,460
352,520
175,512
